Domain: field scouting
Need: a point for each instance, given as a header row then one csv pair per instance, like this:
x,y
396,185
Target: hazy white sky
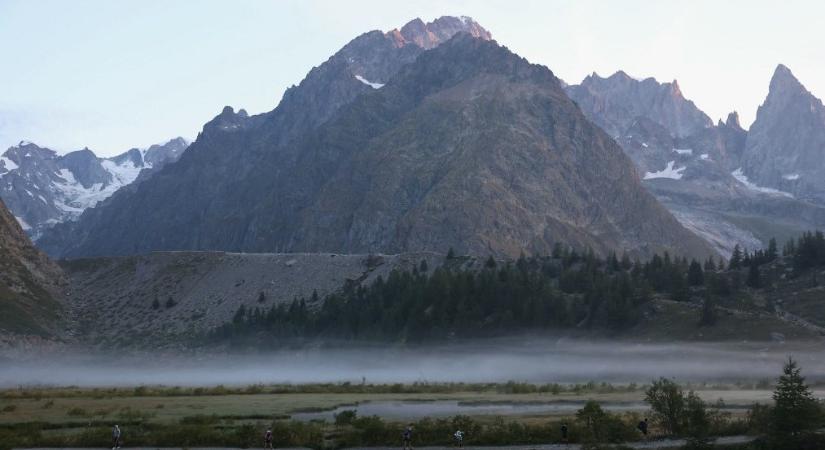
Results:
x,y
112,75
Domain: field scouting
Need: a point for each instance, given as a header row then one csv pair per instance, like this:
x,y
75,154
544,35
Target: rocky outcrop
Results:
x,y
30,284
43,188
785,147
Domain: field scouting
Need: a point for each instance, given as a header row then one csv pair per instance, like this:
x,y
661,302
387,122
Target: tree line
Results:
x,y
563,290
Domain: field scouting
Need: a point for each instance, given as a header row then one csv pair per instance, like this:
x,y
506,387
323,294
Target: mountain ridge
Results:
x,y
290,214
42,187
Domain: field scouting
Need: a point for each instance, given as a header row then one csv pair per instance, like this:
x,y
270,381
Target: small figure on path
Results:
x,y
407,437
268,439
115,437
642,426
564,433
459,438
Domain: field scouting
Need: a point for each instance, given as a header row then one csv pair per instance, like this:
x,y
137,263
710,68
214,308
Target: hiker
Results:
x,y
564,433
115,437
459,438
642,426
268,439
407,437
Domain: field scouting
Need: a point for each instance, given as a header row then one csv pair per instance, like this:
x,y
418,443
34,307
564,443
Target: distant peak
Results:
x,y
733,120
783,79
228,110
431,34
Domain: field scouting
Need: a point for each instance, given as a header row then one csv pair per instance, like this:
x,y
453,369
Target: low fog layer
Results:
x,y
529,360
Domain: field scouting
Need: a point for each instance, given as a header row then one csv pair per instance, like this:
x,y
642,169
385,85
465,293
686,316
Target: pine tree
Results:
x,y
754,277
710,265
695,275
423,267
796,410
451,253
708,315
772,253
735,258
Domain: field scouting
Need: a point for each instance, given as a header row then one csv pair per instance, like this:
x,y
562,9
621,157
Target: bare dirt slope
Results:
x,y
163,299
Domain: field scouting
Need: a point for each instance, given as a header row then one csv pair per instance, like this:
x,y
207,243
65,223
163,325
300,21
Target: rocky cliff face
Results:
x,y
617,102
30,284
785,147
43,188
469,146
699,171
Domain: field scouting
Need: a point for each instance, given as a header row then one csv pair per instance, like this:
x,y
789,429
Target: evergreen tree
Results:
x,y
796,410
735,258
708,314
491,263
451,253
772,252
695,275
754,276
557,251
710,265
155,303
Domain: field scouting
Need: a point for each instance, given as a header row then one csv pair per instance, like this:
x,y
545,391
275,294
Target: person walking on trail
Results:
x,y
643,427
407,437
459,438
268,439
115,437
564,433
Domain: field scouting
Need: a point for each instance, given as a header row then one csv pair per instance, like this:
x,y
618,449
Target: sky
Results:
x,y
115,75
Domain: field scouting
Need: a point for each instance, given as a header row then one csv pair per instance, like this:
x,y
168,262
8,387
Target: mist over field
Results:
x,y
528,360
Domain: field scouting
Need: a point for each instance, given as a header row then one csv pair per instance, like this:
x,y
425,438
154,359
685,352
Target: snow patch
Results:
x,y
674,173
74,198
369,83
791,176
683,151
742,178
704,157
124,173
644,144
8,164
23,223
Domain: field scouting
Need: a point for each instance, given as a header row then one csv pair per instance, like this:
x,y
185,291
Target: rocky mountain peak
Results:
x,y
431,34
786,142
733,120
675,90
783,80
227,120
616,102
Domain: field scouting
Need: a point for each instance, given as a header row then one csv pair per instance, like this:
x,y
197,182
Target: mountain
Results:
x,y
30,284
467,146
785,148
692,166
618,101
43,188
